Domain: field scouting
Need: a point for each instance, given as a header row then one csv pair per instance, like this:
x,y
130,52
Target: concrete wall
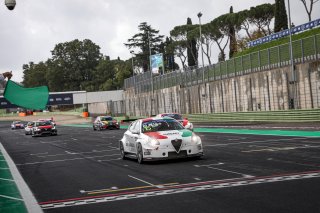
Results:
x,y
260,91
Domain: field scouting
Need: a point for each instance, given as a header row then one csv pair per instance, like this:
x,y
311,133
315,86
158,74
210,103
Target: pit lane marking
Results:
x,y
43,153
175,189
276,149
100,191
209,166
143,181
76,153
292,162
62,160
271,140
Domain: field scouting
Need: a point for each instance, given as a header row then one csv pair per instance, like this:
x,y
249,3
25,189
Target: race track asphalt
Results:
x,y
80,170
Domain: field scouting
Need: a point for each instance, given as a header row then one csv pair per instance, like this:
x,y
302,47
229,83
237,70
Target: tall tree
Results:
x,y
192,50
35,74
169,55
261,16
73,63
310,8
232,37
147,36
217,33
280,16
179,36
222,25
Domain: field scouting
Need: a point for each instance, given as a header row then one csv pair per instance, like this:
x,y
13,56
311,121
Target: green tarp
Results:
x,y
29,98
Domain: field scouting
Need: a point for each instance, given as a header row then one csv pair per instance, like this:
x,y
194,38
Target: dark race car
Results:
x,y
105,122
184,121
17,125
43,128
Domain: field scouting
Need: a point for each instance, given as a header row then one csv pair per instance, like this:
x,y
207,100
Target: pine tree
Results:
x,y
233,41
281,18
192,49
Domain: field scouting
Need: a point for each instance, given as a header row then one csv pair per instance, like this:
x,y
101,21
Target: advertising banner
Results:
x,y
157,63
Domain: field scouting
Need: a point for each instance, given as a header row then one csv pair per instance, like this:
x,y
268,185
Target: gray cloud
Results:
x,y
31,31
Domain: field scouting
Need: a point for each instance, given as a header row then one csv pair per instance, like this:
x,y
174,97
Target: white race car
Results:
x,y
159,138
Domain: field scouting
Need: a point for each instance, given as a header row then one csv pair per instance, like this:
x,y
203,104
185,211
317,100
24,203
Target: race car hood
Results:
x,y
169,135
109,122
45,127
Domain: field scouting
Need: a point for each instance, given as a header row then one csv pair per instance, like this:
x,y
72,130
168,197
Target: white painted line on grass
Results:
x,y
5,179
29,199
11,198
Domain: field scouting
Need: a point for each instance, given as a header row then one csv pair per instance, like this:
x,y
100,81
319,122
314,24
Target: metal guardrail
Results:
x,y
286,116
306,49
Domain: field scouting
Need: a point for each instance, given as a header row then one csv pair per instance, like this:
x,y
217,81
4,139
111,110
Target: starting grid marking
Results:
x,y
181,188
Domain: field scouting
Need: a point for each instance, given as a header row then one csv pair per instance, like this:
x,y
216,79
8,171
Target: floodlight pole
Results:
x,y
132,54
200,33
151,75
291,60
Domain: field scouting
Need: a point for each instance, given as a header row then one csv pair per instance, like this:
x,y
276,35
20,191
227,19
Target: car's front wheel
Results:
x,y
122,152
139,154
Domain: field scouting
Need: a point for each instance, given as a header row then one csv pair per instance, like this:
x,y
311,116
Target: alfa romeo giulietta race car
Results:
x,y
159,138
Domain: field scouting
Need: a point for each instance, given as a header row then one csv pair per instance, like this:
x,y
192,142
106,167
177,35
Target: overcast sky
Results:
x,y
34,27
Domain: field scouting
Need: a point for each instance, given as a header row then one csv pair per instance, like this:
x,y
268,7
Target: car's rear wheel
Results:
x,y
139,154
122,152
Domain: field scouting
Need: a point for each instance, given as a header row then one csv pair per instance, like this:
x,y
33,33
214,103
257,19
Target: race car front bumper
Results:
x,y
166,154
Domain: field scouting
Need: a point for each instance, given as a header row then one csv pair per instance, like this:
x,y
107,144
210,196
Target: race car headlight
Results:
x,y
195,138
154,142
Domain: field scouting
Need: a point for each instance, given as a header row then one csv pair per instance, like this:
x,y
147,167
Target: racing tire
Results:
x,y
122,152
139,154
94,129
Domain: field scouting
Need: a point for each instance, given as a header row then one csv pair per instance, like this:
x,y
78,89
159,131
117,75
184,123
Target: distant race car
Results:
x,y
28,127
43,128
17,125
158,139
105,122
178,117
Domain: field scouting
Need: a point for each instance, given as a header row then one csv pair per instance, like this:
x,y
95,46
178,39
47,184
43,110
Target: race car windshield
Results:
x,y
44,123
106,118
161,125
175,116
